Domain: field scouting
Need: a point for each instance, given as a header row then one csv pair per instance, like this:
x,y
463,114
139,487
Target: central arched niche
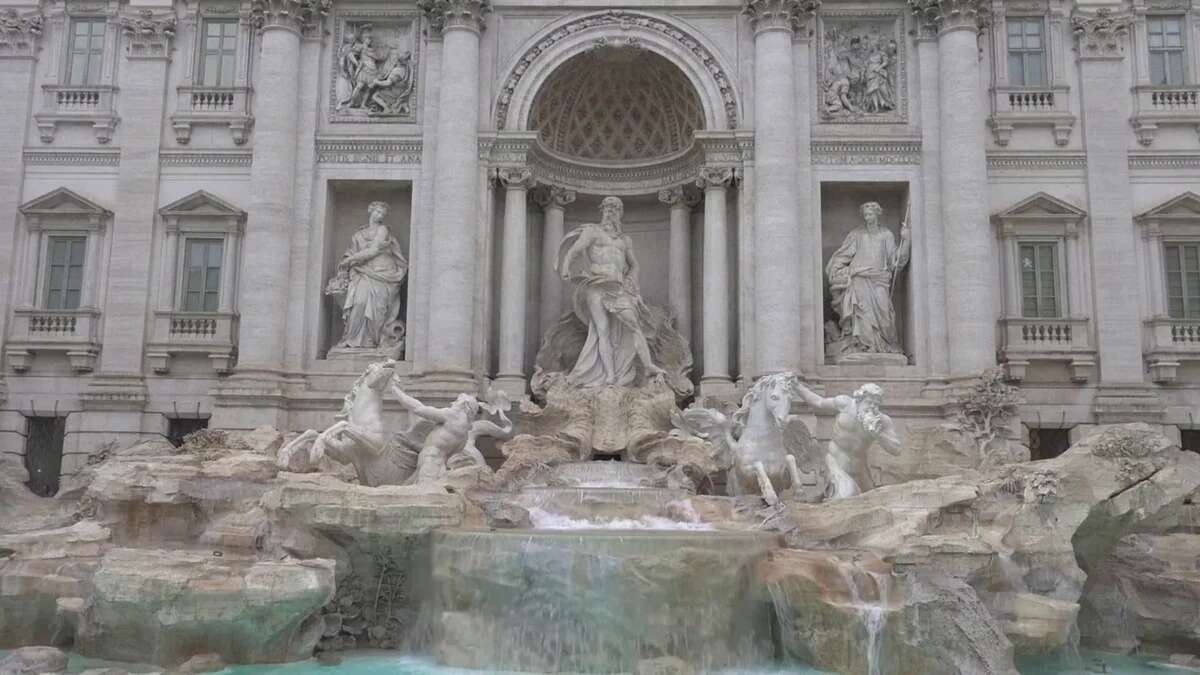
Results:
x,y
614,105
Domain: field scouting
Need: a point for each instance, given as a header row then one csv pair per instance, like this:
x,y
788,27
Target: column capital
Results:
x,y
681,197
946,15
299,16
515,177
714,177
553,197
19,34
786,15
1102,33
444,15
148,34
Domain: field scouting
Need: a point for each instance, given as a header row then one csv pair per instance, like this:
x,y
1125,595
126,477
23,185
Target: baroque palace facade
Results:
x,y
184,186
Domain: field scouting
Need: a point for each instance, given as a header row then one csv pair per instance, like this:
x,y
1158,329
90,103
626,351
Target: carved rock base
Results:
x,y
872,359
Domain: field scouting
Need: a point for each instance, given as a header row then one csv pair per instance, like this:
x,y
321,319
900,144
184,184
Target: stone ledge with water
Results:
x,y
715,539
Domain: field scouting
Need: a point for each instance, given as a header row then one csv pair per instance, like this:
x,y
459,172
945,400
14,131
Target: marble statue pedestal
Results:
x,y
358,358
871,359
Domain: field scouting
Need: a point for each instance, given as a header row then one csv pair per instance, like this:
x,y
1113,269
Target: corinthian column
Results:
x,y
264,291
454,255
971,272
778,302
513,276
554,201
679,259
715,381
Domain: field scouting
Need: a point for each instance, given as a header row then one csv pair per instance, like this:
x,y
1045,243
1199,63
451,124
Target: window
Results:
x,y
202,275
1165,34
1026,52
218,52
1183,280
64,271
85,51
44,453
1039,280
178,428
1047,443
1189,439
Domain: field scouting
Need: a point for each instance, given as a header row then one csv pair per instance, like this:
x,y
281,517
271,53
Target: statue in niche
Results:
x,y
608,301
611,369
860,70
368,285
862,277
373,79
859,424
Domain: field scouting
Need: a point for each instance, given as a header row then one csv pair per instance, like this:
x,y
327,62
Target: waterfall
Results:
x,y
872,614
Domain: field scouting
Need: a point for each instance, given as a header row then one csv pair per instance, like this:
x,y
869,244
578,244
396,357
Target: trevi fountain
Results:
x,y
685,337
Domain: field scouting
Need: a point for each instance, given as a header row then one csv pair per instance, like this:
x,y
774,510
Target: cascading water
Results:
x,y
596,600
872,614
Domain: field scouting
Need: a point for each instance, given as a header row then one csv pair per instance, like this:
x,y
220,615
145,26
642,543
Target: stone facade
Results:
x,y
178,182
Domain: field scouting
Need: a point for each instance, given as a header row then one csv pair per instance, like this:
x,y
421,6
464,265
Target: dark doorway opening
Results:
x,y
1189,439
44,453
1045,443
178,427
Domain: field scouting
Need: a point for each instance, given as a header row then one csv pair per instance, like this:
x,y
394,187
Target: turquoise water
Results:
x,y
390,663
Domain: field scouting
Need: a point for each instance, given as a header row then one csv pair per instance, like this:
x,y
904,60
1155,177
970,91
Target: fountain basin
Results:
x,y
597,600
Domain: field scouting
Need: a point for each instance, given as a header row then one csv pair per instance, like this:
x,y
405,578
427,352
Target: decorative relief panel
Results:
x,y
374,75
861,66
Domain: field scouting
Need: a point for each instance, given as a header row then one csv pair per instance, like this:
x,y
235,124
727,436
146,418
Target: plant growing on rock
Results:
x,y
984,412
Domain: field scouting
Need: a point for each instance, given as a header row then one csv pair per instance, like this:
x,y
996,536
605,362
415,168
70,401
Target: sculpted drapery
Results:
x,y
862,273
369,279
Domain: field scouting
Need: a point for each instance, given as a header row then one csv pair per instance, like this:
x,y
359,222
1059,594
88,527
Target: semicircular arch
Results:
x,y
667,37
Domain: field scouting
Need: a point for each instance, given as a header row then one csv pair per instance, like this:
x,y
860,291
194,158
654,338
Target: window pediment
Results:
x,y
1184,207
64,209
202,211
1040,214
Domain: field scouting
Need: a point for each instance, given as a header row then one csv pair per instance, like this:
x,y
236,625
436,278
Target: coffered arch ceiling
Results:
x,y
617,104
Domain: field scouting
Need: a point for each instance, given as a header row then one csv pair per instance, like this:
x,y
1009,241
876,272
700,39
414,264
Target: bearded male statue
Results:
x,y
610,337
859,424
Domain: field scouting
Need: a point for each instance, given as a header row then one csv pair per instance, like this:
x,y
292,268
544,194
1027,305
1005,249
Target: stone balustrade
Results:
x,y
212,334
1158,106
1014,107
1024,340
77,104
1170,342
212,105
73,332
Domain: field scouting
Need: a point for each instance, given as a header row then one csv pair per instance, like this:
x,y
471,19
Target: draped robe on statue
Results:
x,y
371,310
860,277
616,296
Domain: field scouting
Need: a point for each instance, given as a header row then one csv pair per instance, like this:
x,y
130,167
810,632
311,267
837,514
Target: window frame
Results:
x,y
182,291
94,58
1037,243
47,291
1182,50
202,52
1023,52
1181,242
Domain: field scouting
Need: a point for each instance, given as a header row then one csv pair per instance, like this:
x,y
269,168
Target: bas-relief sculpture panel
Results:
x,y
374,76
861,64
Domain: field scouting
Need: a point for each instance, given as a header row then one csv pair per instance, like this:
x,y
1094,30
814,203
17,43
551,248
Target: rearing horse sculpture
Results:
x,y
762,437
